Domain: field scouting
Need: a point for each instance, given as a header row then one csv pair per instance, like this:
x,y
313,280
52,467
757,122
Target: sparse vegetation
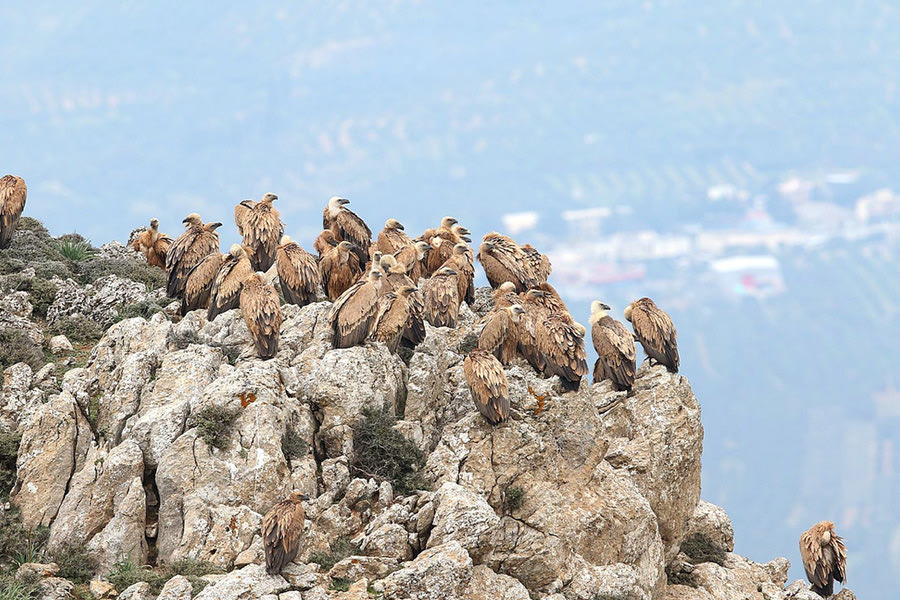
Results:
x,y
701,549
75,248
41,292
467,344
16,346
18,589
340,584
680,577
513,498
126,573
144,308
9,448
74,563
77,328
340,549
380,451
17,544
293,445
213,424
136,270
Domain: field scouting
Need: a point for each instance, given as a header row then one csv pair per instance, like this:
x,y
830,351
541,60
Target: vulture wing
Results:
x,y
13,193
488,384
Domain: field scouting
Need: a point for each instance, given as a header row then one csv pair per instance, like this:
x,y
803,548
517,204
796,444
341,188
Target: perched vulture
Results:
x,y
12,201
540,263
441,298
499,334
199,284
153,245
615,348
394,279
562,344
197,242
530,322
340,269
261,310
260,225
488,385
298,273
412,258
462,233
354,312
554,302
443,248
505,295
347,226
325,242
226,290
503,260
393,316
824,557
655,332
460,262
392,238
281,530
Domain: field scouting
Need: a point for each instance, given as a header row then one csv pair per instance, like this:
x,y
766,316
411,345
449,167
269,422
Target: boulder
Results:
x,y
248,583
139,591
60,344
177,588
440,572
712,521
463,516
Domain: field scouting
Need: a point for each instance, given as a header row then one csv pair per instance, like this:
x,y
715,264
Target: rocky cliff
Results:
x,y
172,440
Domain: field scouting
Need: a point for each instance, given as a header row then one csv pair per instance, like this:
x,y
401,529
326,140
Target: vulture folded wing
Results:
x,y
488,385
352,315
226,291
13,193
495,331
352,228
241,213
199,283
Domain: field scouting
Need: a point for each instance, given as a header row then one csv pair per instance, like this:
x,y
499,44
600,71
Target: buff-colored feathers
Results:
x,y
824,557
282,530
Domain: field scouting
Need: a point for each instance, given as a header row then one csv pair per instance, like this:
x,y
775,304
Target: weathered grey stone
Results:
x,y
60,344
487,585
440,572
358,567
713,522
177,588
139,591
30,570
248,583
99,301
56,588
17,304
463,516
102,590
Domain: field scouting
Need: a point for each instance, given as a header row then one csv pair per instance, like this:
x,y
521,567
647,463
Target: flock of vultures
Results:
x,y
384,290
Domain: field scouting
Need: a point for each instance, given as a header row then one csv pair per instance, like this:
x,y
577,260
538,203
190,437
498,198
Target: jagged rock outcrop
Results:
x,y
100,301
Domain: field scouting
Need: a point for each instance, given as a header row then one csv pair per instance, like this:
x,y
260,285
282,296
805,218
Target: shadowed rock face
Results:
x,y
578,495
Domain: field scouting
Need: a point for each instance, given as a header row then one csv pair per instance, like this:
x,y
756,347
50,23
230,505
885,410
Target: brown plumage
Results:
x,y
412,258
392,238
540,263
562,344
197,242
340,269
325,242
442,239
347,226
226,289
298,273
505,295
655,332
199,284
261,310
533,318
824,557
615,348
488,384
13,193
503,260
394,279
392,318
281,530
461,262
260,225
153,245
554,303
441,298
500,332
353,314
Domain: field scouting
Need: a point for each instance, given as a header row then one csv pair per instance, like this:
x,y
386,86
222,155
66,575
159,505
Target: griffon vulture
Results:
x,y
499,334
394,279
392,238
260,225
530,321
412,258
393,316
298,273
562,344
13,192
488,384
198,241
503,260
281,530
540,263
824,557
655,332
153,245
325,242
441,298
505,295
615,348
461,262
199,284
347,226
226,289
442,249
354,312
261,310
340,269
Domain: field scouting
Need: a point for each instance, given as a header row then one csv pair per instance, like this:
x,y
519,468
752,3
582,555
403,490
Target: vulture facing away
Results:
x,y
197,242
281,530
347,226
503,260
531,321
261,310
199,284
441,298
488,384
340,268
393,316
499,334
153,245
298,273
13,192
655,332
226,289
824,557
260,225
325,242
354,312
562,344
615,349
394,279
540,263
392,238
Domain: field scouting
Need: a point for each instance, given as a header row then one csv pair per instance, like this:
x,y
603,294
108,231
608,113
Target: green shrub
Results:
x,y
340,549
467,344
513,498
9,448
19,589
213,424
380,451
129,268
700,549
680,577
17,544
125,573
75,248
77,328
16,346
33,225
340,584
293,445
144,309
193,569
74,563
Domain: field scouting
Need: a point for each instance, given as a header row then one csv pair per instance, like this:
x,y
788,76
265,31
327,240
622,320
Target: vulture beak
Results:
x,y
185,220
401,227
343,201
450,272
537,292
605,306
215,225
518,310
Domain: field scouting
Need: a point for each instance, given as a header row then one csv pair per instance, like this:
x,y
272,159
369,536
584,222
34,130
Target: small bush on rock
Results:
x,y
380,451
213,424
144,309
77,328
677,576
128,268
701,549
513,498
75,248
9,448
74,563
293,445
340,549
16,346
19,589
125,573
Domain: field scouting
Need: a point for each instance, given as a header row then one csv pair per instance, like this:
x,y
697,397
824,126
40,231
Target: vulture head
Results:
x,y
192,219
421,249
533,296
345,248
445,272
826,532
213,226
598,310
269,198
336,202
154,224
405,291
297,497
448,222
507,287
515,312
628,310
460,249
393,224
236,251
387,261
285,240
462,232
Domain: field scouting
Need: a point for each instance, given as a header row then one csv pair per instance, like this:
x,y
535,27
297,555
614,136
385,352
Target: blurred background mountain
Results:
x,y
734,160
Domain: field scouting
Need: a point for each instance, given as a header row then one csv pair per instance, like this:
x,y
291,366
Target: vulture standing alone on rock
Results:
x,y
615,348
824,557
261,226
226,289
441,298
153,245
282,528
196,243
298,273
340,269
655,332
199,284
393,316
488,384
347,226
353,313
503,260
261,310
13,192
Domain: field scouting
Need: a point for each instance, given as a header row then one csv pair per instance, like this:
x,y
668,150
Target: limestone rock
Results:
x,y
60,344
138,591
487,585
440,572
357,567
27,570
16,304
618,581
740,578
102,590
248,583
177,588
713,522
56,588
800,590
463,516
99,301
